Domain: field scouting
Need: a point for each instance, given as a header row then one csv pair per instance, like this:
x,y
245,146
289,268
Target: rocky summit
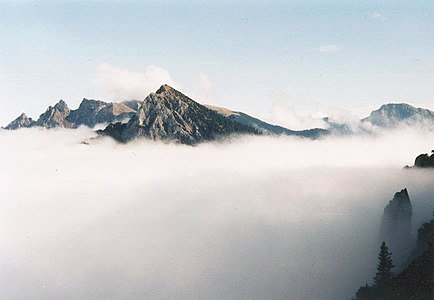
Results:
x,y
170,115
395,114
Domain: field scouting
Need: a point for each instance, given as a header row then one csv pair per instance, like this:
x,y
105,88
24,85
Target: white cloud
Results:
x,y
332,48
153,221
122,84
376,15
284,113
203,90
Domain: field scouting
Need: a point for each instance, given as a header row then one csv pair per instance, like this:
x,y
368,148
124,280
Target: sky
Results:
x,y
277,60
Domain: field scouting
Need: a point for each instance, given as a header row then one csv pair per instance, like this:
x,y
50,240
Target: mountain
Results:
x,y
264,127
21,122
395,114
89,113
388,116
168,114
92,112
55,116
396,226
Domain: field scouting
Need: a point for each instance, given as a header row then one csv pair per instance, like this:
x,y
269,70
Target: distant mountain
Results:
x,y
168,114
388,116
21,122
396,114
267,128
89,113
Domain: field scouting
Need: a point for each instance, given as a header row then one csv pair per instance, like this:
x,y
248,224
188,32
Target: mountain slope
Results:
x,y
168,114
267,128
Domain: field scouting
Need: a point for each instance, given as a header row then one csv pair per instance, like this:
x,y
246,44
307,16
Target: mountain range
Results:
x,y
166,114
170,115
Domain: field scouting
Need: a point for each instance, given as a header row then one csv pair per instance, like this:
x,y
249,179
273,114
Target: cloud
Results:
x,y
259,217
332,48
284,113
122,84
376,15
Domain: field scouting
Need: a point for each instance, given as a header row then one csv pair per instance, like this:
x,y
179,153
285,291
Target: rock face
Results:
x,y
92,112
396,226
168,114
395,114
21,122
424,161
267,128
55,116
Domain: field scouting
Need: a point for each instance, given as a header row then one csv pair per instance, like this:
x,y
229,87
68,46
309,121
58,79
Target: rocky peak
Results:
x,y
55,116
21,122
165,88
396,225
400,206
62,107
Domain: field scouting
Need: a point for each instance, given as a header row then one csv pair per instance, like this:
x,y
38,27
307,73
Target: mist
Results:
x,y
246,218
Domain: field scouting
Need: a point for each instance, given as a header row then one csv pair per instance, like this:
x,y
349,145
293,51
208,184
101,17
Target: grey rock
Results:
x,y
21,122
55,116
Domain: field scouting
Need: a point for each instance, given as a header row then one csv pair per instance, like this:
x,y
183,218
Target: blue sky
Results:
x,y
274,59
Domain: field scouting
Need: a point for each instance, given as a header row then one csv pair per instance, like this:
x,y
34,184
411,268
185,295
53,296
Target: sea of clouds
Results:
x,y
247,218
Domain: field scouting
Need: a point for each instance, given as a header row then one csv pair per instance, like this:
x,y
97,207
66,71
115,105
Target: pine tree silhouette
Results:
x,y
384,278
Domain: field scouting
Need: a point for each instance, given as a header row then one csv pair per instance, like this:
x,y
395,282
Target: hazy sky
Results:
x,y
260,57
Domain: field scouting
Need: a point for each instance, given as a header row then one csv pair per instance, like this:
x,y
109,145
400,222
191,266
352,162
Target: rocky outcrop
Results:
x,y
55,116
396,226
425,160
169,115
21,122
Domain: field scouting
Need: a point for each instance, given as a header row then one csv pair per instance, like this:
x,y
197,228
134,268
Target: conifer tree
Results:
x,y
383,278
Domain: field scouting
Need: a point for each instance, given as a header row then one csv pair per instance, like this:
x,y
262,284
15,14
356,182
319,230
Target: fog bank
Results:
x,y
253,217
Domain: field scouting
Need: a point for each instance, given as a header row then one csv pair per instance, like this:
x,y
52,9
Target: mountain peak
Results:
x,y
21,122
165,88
62,106
395,114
